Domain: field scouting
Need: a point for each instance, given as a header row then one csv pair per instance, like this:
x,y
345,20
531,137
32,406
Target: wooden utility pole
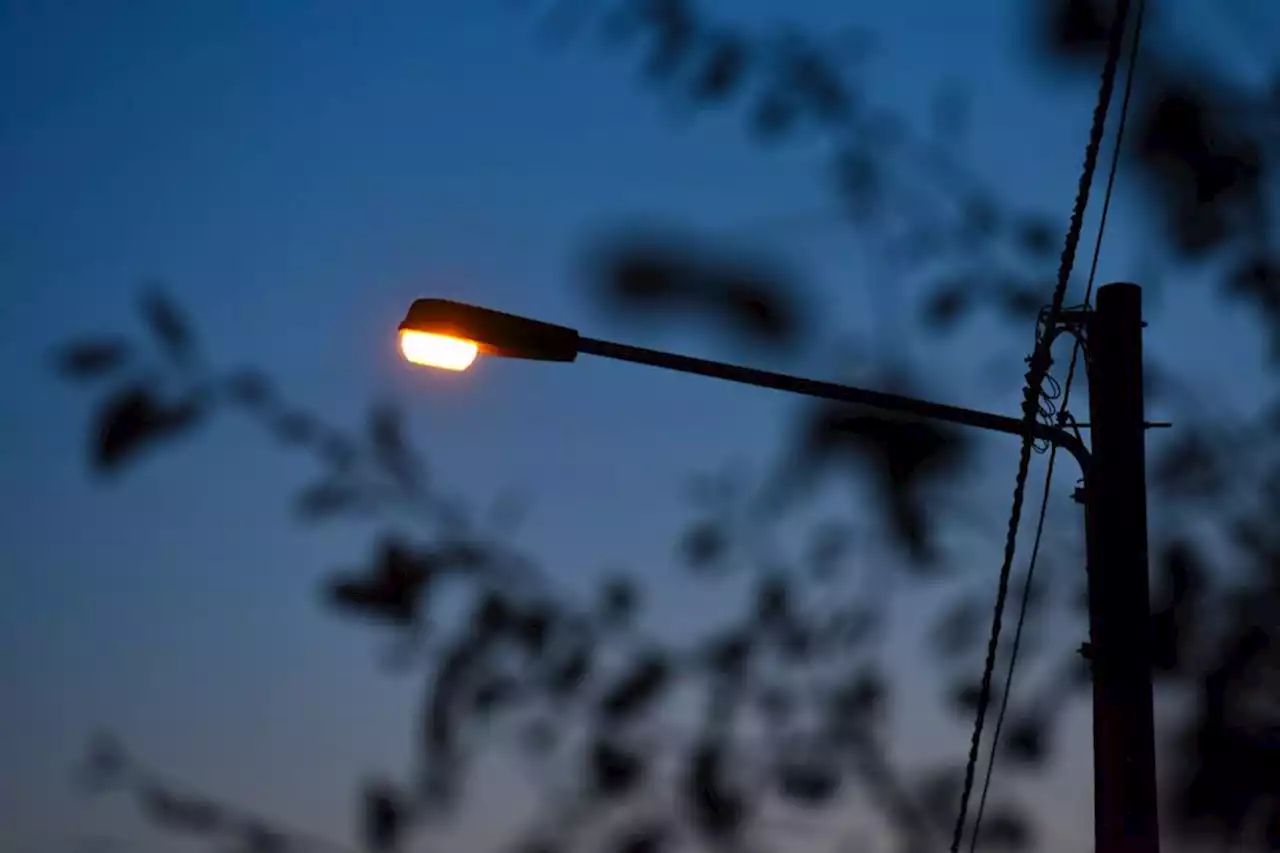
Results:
x,y
1125,812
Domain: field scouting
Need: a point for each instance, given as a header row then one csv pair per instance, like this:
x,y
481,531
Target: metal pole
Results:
x,y
1119,606
876,400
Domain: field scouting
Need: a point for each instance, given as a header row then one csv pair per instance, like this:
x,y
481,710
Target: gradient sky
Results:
x,y
296,173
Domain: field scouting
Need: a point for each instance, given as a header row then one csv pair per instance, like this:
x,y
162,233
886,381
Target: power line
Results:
x,y
1040,361
1062,412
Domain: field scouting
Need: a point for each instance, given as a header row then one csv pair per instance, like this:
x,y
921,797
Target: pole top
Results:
x,y
1120,290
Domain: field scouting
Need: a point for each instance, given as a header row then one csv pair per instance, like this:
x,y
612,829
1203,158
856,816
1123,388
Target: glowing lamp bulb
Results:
x,y
442,351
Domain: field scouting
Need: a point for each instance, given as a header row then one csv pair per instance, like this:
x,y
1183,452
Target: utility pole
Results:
x,y
1119,604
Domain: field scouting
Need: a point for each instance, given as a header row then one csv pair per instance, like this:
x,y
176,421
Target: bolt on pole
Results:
x,y
1125,801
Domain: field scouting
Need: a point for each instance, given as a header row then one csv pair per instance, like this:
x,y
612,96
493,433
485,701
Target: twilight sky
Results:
x,y
296,173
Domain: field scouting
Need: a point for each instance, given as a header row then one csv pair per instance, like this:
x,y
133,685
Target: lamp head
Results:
x,y
449,335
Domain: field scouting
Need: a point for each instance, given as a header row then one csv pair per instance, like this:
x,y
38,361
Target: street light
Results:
x,y
435,350
450,335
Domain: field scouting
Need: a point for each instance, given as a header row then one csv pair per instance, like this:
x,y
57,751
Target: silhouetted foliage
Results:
x,y
806,647
135,417
168,326
383,817
642,684
663,276
89,359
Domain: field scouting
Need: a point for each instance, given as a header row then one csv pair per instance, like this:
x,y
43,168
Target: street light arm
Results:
x,y
841,393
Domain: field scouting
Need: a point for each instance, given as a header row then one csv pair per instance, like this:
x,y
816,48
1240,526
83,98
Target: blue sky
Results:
x,y
296,174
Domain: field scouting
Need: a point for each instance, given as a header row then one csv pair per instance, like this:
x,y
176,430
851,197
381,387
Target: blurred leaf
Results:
x,y
618,601
570,672
1035,236
1183,570
1205,167
105,762
759,308
673,31
494,694
134,418
533,627
383,817
858,179
906,455
773,601
1257,279
980,218
1074,29
1228,744
809,783
816,81
181,814
773,116
90,359
723,69
615,770
717,810
168,326
659,275
1019,300
1025,742
948,303
390,591
493,615
386,430
440,717
249,388
1173,624
797,641
704,545
728,654
642,685
854,702
1188,467
966,695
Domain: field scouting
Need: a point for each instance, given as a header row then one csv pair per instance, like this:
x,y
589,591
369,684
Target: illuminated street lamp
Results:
x,y
450,335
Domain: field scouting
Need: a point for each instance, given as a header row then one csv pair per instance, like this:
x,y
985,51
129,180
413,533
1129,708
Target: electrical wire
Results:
x,y
1063,415
1040,361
